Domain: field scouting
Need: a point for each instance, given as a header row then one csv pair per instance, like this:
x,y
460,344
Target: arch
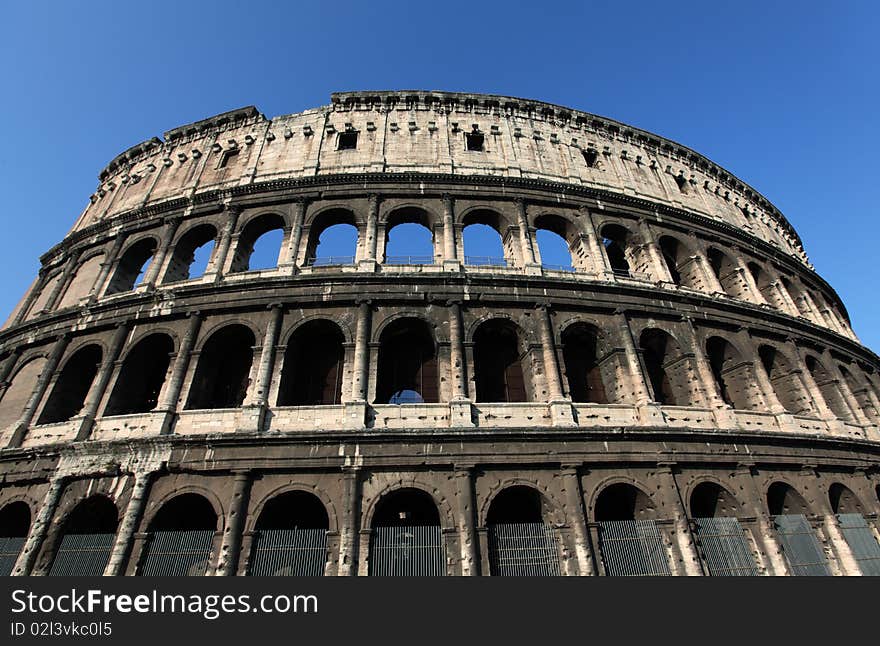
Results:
x,y
555,237
720,537
623,501
843,500
786,384
498,362
86,539
860,392
783,499
407,367
15,525
192,253
83,280
483,244
141,376
414,242
259,243
521,540
709,499
616,240
21,386
800,547
336,247
679,260
222,376
290,536
727,273
405,535
72,385
828,388
580,353
662,359
313,365
181,535
733,377
132,266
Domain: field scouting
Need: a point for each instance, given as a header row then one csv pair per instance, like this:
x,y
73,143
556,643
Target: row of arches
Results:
x,y
406,533
410,369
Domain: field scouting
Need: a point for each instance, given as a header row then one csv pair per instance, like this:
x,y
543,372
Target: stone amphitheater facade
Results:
x,y
688,397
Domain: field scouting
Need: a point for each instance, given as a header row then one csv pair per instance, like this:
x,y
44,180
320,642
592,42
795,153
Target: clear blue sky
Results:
x,y
784,95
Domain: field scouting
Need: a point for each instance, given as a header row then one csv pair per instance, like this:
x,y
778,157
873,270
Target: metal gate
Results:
x,y
407,551
726,551
632,548
82,555
861,540
10,548
523,549
177,553
288,552
802,550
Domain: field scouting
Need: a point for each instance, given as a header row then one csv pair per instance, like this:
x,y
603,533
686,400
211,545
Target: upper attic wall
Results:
x,y
426,132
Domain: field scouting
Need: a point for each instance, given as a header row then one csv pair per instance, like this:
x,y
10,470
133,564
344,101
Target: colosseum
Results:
x,y
684,396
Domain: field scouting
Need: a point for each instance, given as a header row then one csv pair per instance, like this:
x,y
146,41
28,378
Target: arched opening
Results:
x,y
629,540
313,366
521,541
87,539
222,376
290,537
733,377
15,524
141,376
498,370
797,295
580,350
553,234
829,388
409,239
192,253
132,266
767,288
72,385
663,363
333,239
727,273
723,545
788,388
861,392
180,537
407,370
405,536
683,268
17,394
855,529
800,546
615,240
487,239
259,244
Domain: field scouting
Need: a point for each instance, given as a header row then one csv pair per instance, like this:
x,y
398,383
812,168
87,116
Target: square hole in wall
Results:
x,y
474,141
347,141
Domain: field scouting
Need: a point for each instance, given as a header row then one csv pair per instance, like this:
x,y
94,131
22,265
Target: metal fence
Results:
x,y
632,548
568,268
288,552
409,260
10,548
177,553
407,551
485,261
82,555
330,261
726,551
861,540
800,545
523,549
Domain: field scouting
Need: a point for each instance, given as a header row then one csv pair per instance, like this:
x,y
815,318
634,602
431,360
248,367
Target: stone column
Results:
x,y
369,261
741,265
169,403
840,549
221,251
127,527
361,352
152,273
858,414
464,498
230,547
722,411
687,546
659,270
98,388
649,410
712,281
598,257
104,273
451,262
560,408
811,386
571,483
456,352
295,238
260,398
526,244
348,530
7,368
39,529
754,501
36,397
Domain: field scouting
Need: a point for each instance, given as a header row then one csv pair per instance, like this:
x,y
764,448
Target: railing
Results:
x,y
330,261
800,546
82,555
178,553
409,260
416,550
568,268
632,548
485,261
523,549
725,549
289,552
10,548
